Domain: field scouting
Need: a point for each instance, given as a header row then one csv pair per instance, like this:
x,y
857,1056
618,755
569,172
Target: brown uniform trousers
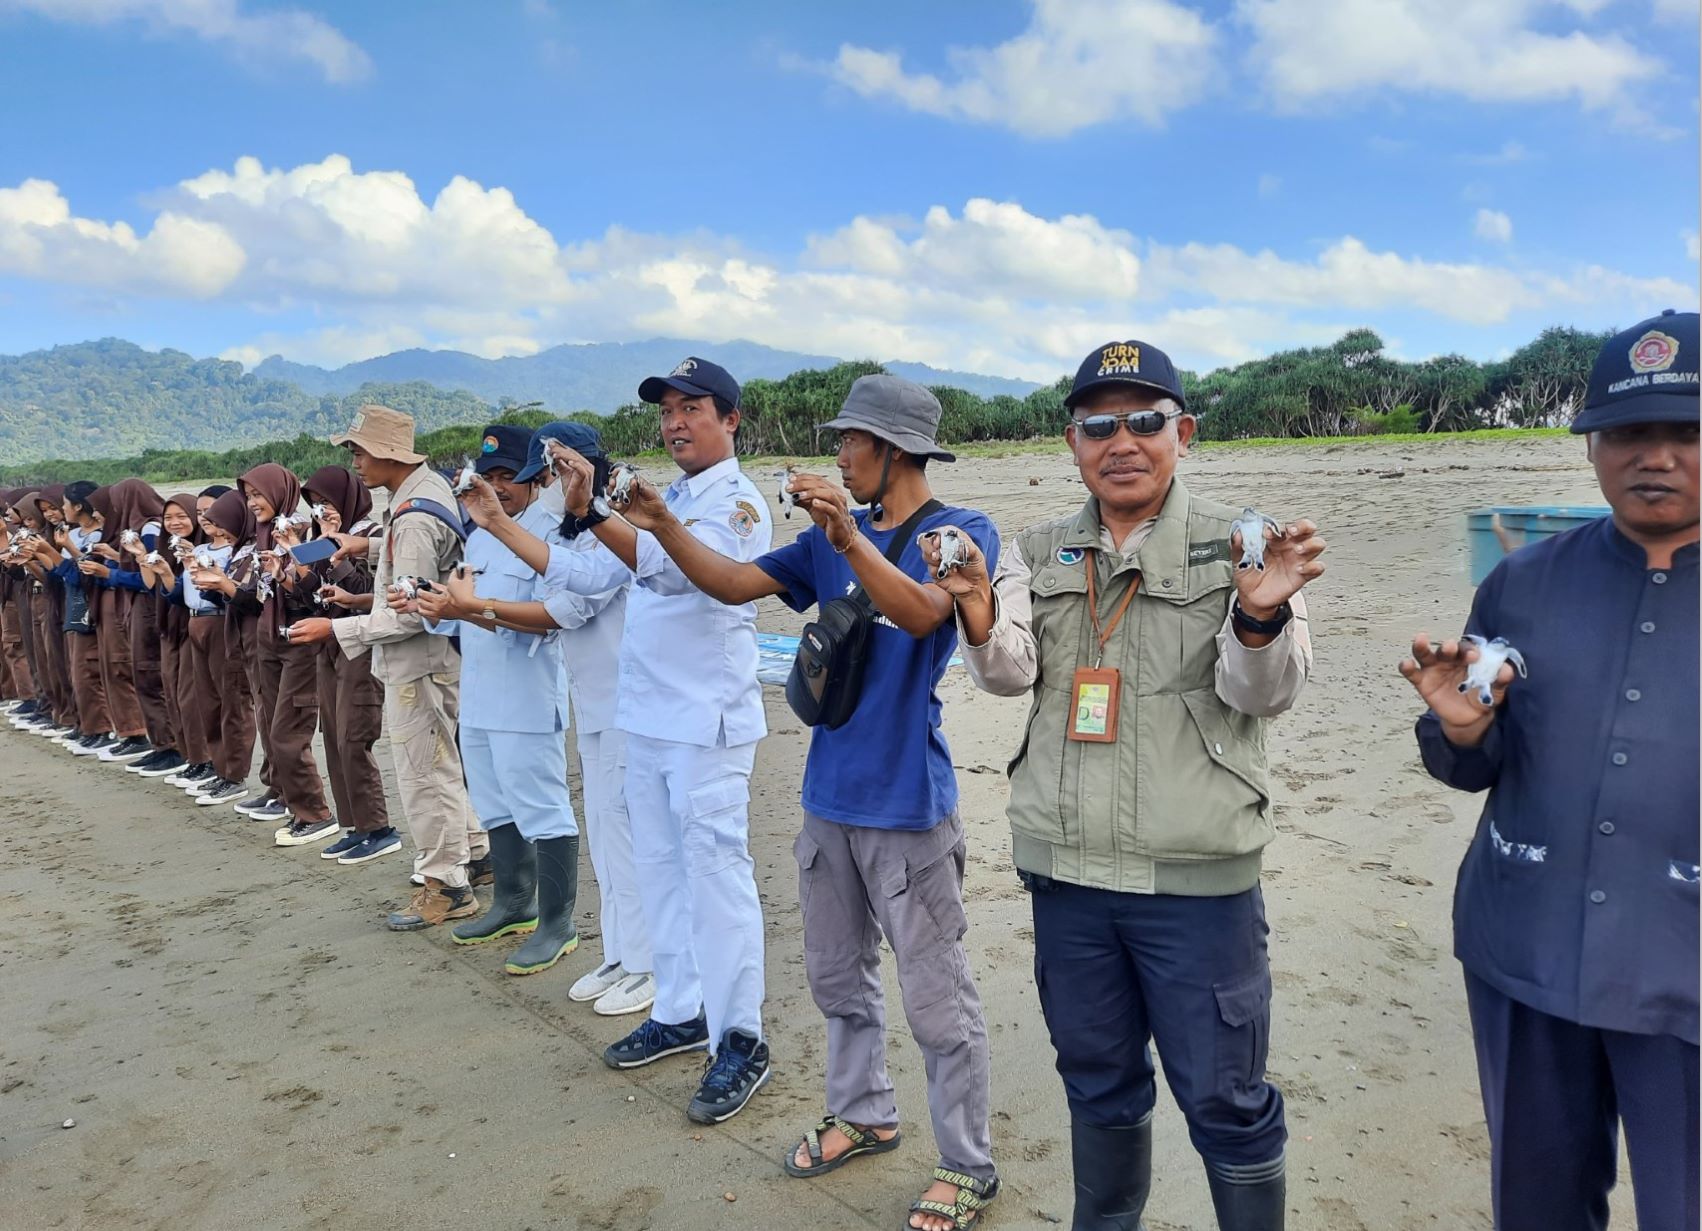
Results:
x,y
177,674
204,709
289,684
117,676
50,656
148,672
82,657
242,699
22,593
351,715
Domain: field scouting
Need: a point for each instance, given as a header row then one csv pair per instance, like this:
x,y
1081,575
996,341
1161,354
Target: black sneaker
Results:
x,y
737,1071
259,801
92,745
653,1040
127,750
351,838
170,761
303,833
272,811
189,775
222,792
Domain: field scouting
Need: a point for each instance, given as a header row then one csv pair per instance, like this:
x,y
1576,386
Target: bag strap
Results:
x,y
419,504
895,549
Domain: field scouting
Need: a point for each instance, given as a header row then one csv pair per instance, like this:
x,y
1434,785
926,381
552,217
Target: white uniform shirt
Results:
x,y
687,663
591,628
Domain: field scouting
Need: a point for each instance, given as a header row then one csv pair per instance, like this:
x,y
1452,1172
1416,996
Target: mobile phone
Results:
x,y
314,550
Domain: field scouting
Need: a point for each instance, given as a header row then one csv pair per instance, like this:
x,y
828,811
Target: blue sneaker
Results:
x,y
372,846
654,1040
738,1070
342,846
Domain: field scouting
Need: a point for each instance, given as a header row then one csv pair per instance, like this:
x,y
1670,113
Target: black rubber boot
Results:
x,y
1113,1172
558,889
1250,1198
514,906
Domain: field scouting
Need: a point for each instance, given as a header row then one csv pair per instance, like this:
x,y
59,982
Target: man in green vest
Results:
x,y
1155,648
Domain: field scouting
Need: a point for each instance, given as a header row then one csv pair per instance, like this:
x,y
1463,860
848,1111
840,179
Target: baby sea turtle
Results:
x,y
1480,675
1251,526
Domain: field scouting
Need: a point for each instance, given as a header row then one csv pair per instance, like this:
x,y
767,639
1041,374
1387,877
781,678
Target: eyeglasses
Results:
x,y
1139,423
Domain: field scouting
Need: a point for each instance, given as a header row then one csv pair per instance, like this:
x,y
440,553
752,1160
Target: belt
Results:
x,y
200,615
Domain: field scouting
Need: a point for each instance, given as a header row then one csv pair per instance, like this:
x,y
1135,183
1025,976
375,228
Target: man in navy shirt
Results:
x,y
1575,915
882,846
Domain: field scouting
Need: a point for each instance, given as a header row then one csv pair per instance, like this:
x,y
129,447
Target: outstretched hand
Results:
x,y
1291,560
967,580
481,502
827,506
1437,671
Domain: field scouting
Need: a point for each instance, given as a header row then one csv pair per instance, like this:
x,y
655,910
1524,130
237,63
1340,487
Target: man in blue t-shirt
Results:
x,y
882,848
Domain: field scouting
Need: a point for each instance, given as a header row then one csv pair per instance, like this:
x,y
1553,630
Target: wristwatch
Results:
x,y
599,512
1264,628
490,610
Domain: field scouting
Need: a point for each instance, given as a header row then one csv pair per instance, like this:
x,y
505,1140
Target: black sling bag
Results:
x,y
827,674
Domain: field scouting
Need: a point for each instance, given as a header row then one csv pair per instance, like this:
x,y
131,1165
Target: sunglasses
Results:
x,y
1139,423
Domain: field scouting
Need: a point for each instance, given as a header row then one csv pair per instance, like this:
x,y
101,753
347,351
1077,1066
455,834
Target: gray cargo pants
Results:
x,y
854,884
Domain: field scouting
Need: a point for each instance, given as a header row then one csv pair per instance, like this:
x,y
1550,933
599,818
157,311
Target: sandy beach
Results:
x,y
241,1044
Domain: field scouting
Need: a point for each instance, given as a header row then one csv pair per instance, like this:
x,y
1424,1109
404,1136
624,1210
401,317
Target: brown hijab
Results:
x,y
230,513
281,489
338,487
134,504
54,496
24,507
186,503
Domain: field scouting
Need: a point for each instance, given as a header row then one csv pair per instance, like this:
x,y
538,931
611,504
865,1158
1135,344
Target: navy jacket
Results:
x,y
1578,896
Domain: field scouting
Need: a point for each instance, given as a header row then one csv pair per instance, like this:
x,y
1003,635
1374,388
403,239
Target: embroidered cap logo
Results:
x,y
1653,352
1120,359
490,445
686,368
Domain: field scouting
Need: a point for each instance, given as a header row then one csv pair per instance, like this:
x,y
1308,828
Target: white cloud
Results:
x,y
374,266
1493,225
277,34
1079,63
180,255
1311,51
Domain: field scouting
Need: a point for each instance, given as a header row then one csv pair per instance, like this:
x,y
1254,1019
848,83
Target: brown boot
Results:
x,y
432,905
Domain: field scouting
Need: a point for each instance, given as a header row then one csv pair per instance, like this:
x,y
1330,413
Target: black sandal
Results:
x,y
863,1141
973,1197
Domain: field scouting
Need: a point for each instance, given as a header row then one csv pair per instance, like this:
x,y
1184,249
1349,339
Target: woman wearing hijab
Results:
x,y
82,644
201,662
289,674
159,569
49,502
115,590
139,509
36,715
351,699
228,579
47,665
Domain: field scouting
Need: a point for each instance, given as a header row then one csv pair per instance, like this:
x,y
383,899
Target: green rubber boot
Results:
x,y
514,909
558,890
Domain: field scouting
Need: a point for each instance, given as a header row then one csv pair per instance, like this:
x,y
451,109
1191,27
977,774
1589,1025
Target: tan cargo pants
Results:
x,y
421,716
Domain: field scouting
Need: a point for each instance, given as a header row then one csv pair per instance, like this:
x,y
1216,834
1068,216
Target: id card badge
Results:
x,y
1093,716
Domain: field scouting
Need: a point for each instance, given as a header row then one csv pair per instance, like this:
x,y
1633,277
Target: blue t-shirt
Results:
x,y
888,767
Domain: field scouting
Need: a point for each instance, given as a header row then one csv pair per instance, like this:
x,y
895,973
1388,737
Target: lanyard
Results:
x,y
1104,635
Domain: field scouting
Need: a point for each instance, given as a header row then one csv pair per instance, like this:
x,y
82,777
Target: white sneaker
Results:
x,y
632,994
590,986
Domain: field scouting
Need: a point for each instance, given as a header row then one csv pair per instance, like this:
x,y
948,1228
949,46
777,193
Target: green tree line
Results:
x,y
1348,388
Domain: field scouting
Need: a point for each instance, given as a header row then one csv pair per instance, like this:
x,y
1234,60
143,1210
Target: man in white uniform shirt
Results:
x,y
691,707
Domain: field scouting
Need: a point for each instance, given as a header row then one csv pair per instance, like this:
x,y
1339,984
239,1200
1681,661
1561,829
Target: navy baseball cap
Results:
x,y
503,448
1646,374
576,436
1126,363
696,378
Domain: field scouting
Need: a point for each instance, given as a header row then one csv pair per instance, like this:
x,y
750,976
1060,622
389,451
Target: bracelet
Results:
x,y
850,543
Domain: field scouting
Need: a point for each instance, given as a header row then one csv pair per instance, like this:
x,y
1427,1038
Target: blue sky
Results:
x,y
997,185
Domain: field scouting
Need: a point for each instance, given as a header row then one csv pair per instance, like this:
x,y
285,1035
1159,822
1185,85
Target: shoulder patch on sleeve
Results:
x,y
743,524
747,507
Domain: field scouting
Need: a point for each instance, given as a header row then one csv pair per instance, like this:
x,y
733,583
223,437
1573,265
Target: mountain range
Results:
x,y
112,398
594,376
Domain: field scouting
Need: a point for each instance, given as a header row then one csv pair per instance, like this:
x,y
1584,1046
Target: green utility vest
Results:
x,y
1181,802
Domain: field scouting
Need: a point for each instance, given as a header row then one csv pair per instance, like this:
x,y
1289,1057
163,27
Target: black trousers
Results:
x,y
1117,971
1554,1093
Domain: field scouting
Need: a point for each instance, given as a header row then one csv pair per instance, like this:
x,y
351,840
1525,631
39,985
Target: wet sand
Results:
x,y
242,1045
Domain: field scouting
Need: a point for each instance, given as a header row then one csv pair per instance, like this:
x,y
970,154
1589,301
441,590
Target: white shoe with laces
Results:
x,y
632,994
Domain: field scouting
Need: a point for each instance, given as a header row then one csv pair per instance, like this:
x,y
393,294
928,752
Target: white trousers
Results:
x,y
697,881
608,832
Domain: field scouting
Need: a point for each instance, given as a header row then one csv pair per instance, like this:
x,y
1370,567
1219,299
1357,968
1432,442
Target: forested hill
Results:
x,y
597,376
113,399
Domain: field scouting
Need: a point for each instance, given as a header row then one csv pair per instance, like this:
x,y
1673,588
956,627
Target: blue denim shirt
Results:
x,y
1578,896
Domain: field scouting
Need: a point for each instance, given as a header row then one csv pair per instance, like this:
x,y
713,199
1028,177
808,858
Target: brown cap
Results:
x,y
384,433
